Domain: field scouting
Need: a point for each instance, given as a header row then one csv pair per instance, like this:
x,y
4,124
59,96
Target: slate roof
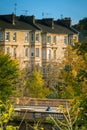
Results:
x,y
26,23
6,23
57,28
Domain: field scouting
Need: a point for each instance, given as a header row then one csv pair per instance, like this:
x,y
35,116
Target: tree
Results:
x,y
82,25
74,73
74,76
51,76
70,115
36,85
82,28
9,72
6,115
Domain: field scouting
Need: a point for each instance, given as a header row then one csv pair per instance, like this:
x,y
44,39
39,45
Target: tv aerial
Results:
x,y
15,8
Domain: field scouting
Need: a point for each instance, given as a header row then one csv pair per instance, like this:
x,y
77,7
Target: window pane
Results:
x,y
14,36
32,51
43,39
65,39
32,37
37,37
54,39
48,39
26,37
26,52
37,52
14,52
70,40
54,54
7,36
43,54
1,36
49,54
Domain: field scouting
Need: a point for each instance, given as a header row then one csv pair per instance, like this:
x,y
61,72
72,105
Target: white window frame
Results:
x,y
54,39
26,37
49,54
70,38
7,36
37,37
48,39
32,37
14,36
65,39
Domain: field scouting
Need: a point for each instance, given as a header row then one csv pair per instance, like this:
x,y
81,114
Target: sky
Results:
x,y
76,9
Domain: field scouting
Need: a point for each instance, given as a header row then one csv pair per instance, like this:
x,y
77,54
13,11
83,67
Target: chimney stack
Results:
x,y
28,19
49,22
13,19
65,21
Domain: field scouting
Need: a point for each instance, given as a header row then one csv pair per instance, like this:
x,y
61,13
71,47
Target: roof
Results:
x,y
6,23
57,28
30,23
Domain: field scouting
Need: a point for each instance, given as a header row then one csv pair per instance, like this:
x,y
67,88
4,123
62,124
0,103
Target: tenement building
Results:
x,y
35,42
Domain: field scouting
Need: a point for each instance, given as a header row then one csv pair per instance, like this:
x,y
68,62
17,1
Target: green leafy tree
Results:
x,y
9,72
36,85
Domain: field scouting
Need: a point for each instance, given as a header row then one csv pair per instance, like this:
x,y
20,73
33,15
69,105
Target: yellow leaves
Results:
x,y
12,128
36,85
6,112
60,108
74,72
5,117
